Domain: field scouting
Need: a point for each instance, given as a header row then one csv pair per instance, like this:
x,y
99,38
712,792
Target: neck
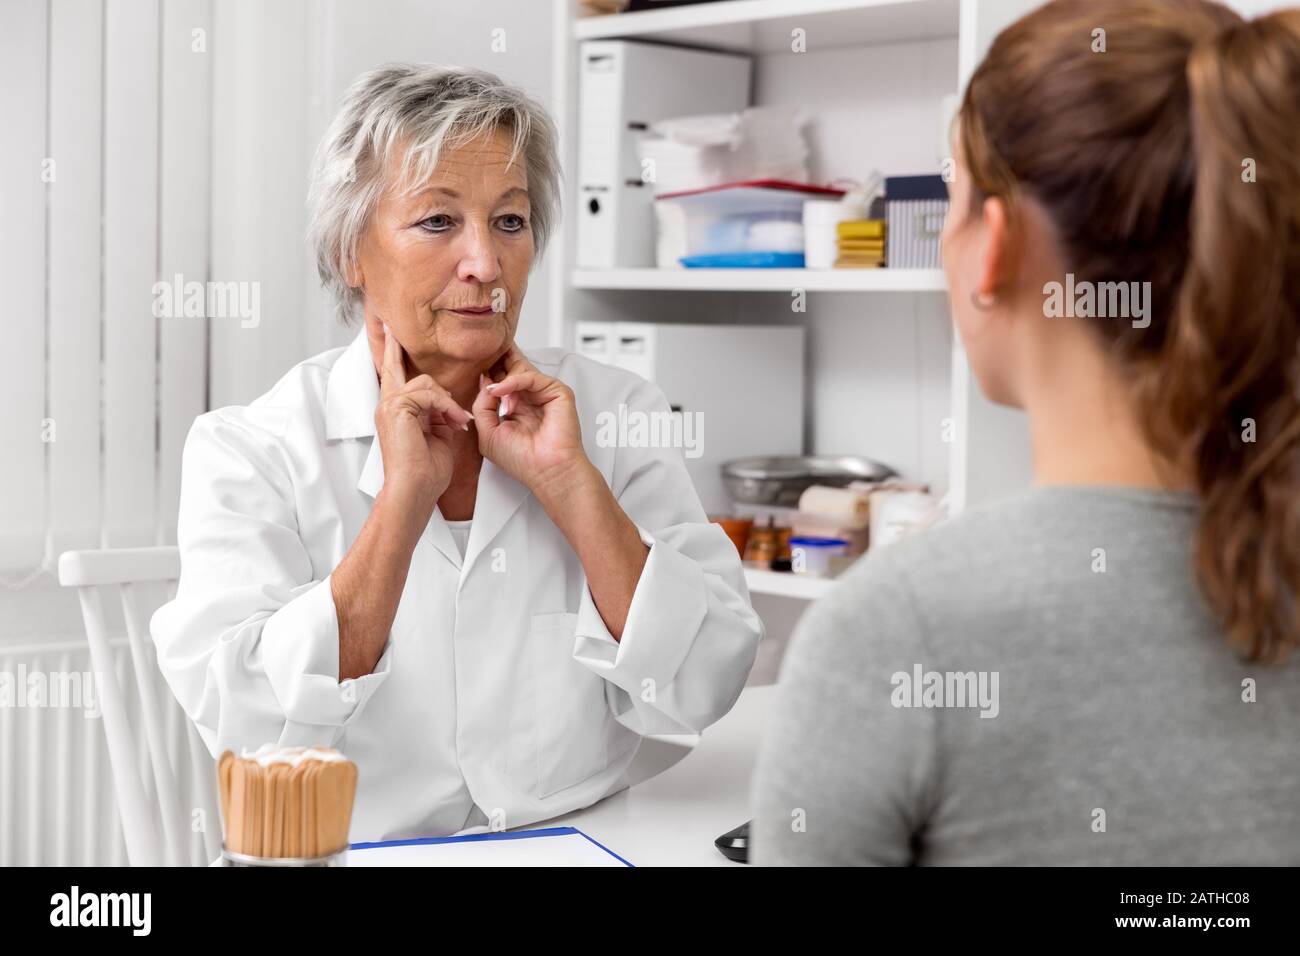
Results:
x,y
458,376
1084,427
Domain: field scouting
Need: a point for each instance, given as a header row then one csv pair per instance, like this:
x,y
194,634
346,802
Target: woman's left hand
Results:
x,y
536,439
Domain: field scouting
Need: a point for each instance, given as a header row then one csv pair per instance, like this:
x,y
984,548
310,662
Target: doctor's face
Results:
x,y
446,266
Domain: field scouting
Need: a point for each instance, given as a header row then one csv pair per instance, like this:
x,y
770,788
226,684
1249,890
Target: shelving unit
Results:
x,y
886,376
785,584
763,26
763,280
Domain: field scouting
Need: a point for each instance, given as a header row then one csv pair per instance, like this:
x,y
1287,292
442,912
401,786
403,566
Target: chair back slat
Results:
x,y
142,844
142,660
155,822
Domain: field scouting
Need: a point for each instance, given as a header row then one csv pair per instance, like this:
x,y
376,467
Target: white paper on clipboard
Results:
x,y
555,846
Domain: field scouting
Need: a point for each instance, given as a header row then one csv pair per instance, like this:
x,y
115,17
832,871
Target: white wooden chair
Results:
x,y
155,821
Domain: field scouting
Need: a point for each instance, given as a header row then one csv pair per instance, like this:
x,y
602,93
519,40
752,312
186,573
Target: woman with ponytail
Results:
x,y
1100,669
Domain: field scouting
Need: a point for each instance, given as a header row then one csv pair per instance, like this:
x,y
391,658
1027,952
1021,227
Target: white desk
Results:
x,y
673,818
686,796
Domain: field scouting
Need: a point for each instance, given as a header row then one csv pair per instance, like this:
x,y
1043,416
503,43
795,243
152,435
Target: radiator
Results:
x,y
57,803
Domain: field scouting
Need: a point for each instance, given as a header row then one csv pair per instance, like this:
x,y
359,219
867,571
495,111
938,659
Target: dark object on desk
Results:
x,y
635,5
734,844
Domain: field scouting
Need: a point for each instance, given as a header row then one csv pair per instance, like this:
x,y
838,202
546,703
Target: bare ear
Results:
x,y
998,256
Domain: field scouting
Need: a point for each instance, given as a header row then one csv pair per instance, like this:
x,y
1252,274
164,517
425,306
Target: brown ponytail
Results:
x,y
1171,155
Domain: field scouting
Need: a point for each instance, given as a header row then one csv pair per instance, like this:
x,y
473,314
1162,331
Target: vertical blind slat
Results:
x,y
76,46
186,162
23,76
257,224
130,270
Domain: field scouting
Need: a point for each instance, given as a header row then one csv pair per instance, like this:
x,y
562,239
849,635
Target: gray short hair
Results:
x,y
419,108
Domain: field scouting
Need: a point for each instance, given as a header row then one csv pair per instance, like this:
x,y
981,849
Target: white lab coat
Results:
x,y
501,698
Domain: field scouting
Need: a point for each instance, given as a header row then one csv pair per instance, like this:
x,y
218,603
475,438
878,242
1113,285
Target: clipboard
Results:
x,y
551,846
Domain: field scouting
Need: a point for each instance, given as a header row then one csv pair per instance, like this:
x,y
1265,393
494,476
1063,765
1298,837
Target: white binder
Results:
x,y
624,87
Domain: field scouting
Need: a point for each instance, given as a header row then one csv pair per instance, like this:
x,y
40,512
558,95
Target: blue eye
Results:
x,y
436,223
513,223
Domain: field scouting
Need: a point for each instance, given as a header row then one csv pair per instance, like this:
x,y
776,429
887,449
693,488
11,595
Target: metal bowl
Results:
x,y
779,480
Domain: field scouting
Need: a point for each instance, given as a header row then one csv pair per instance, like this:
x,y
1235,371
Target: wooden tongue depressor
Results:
x,y
303,809
224,768
244,778
268,809
322,811
245,822
238,806
278,808
281,778
298,801
263,806
275,803
287,817
256,803
343,777
309,808
324,817
327,806
271,825
331,775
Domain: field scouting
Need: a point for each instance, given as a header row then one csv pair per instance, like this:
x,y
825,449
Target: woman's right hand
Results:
x,y
414,422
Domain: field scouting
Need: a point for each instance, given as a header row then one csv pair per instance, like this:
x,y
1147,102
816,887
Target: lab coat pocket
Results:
x,y
577,735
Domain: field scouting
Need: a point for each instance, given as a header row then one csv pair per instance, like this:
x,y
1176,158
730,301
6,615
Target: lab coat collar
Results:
x,y
352,393
351,397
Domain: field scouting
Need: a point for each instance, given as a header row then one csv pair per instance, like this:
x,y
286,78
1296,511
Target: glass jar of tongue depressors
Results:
x,y
287,806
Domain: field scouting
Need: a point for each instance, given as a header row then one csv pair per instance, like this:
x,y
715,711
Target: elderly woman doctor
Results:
x,y
413,548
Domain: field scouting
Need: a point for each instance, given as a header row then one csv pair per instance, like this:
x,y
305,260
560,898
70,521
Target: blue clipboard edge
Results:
x,y
502,835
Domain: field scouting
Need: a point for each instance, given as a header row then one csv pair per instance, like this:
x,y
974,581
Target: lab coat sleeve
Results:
x,y
249,645
691,634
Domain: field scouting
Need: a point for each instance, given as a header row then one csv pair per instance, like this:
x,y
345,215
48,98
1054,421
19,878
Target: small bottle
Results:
x,y
762,546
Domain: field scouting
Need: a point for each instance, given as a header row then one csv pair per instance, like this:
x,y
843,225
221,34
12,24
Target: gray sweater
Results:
x,y
1092,712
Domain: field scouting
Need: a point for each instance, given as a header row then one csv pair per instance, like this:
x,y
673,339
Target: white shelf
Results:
x,y
763,26
764,280
786,584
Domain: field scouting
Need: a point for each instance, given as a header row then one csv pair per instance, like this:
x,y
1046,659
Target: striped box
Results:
x,y
915,207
